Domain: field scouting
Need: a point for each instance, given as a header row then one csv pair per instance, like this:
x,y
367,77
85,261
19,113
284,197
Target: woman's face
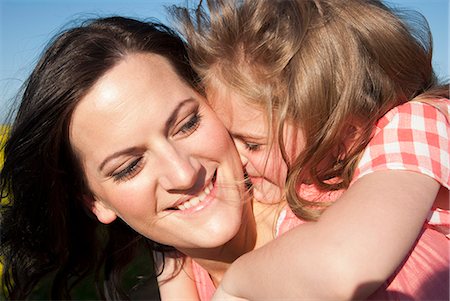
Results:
x,y
155,155
260,155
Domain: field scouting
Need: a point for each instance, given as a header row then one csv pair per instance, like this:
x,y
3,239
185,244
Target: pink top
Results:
x,y
413,136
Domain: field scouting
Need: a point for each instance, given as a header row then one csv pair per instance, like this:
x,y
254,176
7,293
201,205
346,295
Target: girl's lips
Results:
x,y
256,180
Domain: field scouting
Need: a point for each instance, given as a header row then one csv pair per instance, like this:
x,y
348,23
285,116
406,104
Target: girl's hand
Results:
x,y
221,294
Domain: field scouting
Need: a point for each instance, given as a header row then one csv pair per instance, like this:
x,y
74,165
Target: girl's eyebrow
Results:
x,y
247,136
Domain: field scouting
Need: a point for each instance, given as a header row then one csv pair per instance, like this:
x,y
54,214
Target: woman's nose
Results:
x,y
179,172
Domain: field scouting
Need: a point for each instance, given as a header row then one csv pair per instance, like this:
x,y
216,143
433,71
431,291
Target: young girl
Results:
x,y
344,93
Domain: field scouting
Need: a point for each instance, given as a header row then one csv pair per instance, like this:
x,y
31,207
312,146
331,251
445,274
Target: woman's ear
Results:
x,y
103,213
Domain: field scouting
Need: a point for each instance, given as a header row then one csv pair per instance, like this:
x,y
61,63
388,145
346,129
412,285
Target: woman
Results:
x,y
111,127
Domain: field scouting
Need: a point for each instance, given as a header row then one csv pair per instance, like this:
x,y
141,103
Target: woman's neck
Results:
x,y
257,228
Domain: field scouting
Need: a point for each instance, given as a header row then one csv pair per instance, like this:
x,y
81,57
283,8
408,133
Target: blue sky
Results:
x,y
27,25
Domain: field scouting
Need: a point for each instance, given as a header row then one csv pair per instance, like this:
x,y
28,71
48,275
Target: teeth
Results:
x,y
193,202
196,200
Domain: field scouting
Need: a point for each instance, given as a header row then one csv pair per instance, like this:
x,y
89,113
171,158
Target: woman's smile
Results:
x,y
197,203
158,157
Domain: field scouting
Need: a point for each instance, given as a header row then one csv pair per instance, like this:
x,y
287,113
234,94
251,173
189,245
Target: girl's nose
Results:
x,y
242,151
244,159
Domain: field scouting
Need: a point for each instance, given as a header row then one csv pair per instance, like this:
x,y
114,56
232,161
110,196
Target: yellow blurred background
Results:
x,y
3,134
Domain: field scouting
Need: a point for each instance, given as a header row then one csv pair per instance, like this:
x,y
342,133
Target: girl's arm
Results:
x,y
175,282
354,247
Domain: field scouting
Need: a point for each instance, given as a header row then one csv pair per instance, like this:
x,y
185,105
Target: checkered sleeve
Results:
x,y
413,136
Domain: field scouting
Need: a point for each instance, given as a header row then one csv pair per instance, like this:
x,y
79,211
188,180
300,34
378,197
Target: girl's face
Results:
x,y
155,155
248,125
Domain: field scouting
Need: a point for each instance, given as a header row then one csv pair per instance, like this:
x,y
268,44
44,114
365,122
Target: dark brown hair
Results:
x,y
45,228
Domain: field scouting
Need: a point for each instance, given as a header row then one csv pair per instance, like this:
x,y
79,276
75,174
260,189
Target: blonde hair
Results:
x,y
331,67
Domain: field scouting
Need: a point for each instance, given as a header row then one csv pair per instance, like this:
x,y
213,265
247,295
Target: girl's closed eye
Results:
x,y
253,147
129,171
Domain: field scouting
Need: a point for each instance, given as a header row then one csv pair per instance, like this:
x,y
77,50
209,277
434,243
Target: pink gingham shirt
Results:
x,y
415,137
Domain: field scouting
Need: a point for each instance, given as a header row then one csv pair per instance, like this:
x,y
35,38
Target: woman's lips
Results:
x,y
196,200
194,203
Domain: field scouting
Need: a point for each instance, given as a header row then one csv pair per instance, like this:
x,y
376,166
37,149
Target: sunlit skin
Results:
x,y
260,155
149,145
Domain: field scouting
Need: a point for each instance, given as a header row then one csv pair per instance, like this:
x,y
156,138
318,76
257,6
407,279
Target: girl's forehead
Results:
x,y
231,105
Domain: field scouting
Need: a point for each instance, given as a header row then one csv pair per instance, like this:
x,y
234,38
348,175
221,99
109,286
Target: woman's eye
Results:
x,y
252,146
128,172
191,125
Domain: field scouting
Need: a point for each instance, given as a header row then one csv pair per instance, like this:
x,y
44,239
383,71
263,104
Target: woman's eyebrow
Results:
x,y
173,117
128,150
169,123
